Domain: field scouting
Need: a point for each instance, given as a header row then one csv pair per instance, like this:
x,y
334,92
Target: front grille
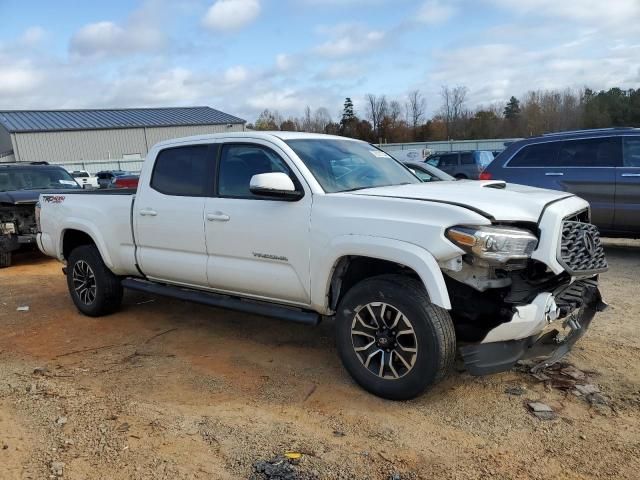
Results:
x,y
581,251
571,297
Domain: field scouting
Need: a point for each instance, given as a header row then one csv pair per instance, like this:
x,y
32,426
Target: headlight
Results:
x,y
8,228
496,245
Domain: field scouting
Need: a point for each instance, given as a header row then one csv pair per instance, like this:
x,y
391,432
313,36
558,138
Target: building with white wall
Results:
x,y
73,137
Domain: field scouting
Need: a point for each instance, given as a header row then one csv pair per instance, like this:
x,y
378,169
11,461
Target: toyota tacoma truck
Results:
x,y
304,227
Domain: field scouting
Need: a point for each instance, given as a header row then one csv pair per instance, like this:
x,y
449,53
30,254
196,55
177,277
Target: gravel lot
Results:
x,y
170,390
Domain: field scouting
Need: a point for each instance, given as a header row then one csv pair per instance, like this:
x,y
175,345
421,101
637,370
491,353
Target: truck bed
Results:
x,y
105,215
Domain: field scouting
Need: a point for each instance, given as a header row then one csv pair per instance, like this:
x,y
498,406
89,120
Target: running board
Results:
x,y
224,301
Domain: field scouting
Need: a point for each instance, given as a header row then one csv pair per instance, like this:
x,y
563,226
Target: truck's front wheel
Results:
x,y
94,289
392,340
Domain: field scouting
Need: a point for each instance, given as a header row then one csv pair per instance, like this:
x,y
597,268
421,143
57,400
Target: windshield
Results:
x,y
35,179
347,165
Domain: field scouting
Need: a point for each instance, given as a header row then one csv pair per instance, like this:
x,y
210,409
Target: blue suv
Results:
x,y
602,166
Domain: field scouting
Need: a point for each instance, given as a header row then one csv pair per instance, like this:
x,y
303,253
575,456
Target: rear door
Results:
x,y
585,167
169,215
627,216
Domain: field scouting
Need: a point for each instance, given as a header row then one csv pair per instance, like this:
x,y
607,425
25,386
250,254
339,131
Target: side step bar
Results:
x,y
224,301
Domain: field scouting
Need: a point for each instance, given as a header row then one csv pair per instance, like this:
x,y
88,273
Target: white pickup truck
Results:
x,y
303,227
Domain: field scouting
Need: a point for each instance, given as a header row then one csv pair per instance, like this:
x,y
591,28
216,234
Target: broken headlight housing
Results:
x,y
494,245
7,228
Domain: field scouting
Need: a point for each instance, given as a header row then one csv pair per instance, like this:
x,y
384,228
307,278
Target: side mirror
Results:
x,y
274,184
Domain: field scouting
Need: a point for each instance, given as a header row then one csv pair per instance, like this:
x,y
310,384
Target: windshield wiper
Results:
x,y
376,186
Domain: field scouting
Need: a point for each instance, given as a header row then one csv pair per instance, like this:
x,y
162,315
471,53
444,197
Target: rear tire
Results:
x,y
392,340
5,259
94,289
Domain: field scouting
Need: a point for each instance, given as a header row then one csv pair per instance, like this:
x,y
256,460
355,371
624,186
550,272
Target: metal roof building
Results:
x,y
102,136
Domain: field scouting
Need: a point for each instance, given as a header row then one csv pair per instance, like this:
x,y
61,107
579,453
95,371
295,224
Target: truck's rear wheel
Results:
x,y
392,340
5,259
94,289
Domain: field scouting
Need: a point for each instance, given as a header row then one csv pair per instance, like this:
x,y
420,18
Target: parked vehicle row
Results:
x,y
85,179
305,226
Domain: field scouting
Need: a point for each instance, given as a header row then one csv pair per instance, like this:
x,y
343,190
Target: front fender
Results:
x,y
407,254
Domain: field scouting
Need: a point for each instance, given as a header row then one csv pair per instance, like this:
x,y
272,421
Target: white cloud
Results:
x,y
624,14
341,71
349,40
18,79
284,62
236,74
230,15
434,12
32,36
107,38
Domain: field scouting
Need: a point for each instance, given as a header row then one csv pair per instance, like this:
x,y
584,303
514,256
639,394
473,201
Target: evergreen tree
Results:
x,y
512,110
348,121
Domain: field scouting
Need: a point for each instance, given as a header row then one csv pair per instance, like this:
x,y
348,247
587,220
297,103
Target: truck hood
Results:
x,y
21,197
496,200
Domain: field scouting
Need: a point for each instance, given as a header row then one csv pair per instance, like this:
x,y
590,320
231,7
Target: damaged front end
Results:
x,y
508,306
17,228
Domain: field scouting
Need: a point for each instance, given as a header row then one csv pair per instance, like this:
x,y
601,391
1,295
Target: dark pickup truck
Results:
x,y
20,187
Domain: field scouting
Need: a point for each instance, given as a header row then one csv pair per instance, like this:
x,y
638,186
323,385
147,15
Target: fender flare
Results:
x,y
89,229
404,253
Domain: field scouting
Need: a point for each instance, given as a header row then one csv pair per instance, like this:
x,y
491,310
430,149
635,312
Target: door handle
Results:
x,y
218,217
631,174
554,174
148,212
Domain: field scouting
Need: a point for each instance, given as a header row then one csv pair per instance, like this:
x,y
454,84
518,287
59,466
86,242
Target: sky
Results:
x,y
242,56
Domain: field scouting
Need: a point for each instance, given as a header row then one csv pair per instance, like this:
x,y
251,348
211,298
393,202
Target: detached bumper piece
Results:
x,y
549,346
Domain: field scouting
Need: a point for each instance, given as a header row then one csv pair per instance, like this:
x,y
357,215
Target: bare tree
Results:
x,y
416,107
376,110
321,118
306,122
395,112
453,100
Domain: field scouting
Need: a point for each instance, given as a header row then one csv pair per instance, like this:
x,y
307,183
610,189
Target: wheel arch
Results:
x,y
355,258
75,236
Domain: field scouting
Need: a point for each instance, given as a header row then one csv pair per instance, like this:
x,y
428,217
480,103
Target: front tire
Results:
x,y
94,289
392,340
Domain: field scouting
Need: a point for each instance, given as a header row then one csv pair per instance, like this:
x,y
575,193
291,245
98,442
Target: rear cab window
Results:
x,y
184,171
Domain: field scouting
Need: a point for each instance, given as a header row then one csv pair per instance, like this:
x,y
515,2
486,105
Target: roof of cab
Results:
x,y
261,135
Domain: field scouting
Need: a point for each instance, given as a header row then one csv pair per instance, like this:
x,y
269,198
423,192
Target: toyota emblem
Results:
x,y
589,243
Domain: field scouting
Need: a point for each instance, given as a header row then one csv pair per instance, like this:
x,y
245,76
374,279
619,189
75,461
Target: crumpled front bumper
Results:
x,y
551,341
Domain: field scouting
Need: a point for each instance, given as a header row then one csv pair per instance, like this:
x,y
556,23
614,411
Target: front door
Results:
x,y
257,246
627,217
169,216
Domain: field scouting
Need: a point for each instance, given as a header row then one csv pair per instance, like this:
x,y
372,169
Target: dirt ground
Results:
x,y
170,390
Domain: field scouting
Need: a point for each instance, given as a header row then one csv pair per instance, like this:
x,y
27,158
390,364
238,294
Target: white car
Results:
x,y
85,179
305,226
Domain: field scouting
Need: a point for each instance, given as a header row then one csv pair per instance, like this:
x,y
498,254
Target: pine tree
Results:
x,y
512,110
348,120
